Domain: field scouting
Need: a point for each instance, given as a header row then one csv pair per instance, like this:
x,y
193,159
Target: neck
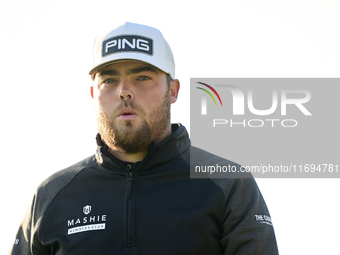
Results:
x,y
136,157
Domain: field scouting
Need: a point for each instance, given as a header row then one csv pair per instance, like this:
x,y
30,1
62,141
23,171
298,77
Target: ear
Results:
x,y
174,89
91,91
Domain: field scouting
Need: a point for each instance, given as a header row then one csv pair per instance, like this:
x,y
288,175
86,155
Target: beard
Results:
x,y
129,138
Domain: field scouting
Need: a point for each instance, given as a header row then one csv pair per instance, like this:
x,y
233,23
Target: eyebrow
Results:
x,y
108,72
113,72
142,69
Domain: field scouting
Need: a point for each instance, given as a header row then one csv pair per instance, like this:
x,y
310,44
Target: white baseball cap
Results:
x,y
133,42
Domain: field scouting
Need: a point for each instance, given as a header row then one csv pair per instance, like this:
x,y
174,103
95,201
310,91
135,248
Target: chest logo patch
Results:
x,y
87,209
88,223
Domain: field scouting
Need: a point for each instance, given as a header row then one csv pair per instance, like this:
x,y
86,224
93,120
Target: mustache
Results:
x,y
128,104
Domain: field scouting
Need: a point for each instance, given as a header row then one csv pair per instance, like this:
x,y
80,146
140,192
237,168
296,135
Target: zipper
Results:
x,y
129,239
129,179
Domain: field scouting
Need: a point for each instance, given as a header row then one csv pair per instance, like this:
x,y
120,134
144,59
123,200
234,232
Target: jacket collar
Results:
x,y
158,153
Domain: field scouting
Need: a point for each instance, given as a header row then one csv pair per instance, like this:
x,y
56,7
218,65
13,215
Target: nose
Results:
x,y
125,92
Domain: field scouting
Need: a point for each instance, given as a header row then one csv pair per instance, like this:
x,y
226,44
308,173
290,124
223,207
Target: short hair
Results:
x,y
168,79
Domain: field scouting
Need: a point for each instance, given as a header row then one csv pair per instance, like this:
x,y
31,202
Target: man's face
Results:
x,y
132,101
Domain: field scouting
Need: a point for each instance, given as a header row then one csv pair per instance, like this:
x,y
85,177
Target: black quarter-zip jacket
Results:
x,y
104,206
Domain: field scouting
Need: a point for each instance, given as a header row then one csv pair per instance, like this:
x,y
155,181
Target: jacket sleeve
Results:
x,y
247,226
26,241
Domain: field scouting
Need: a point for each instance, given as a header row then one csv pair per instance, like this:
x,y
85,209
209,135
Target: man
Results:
x,y
135,195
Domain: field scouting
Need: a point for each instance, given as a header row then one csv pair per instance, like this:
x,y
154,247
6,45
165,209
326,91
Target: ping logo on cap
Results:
x,y
126,43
